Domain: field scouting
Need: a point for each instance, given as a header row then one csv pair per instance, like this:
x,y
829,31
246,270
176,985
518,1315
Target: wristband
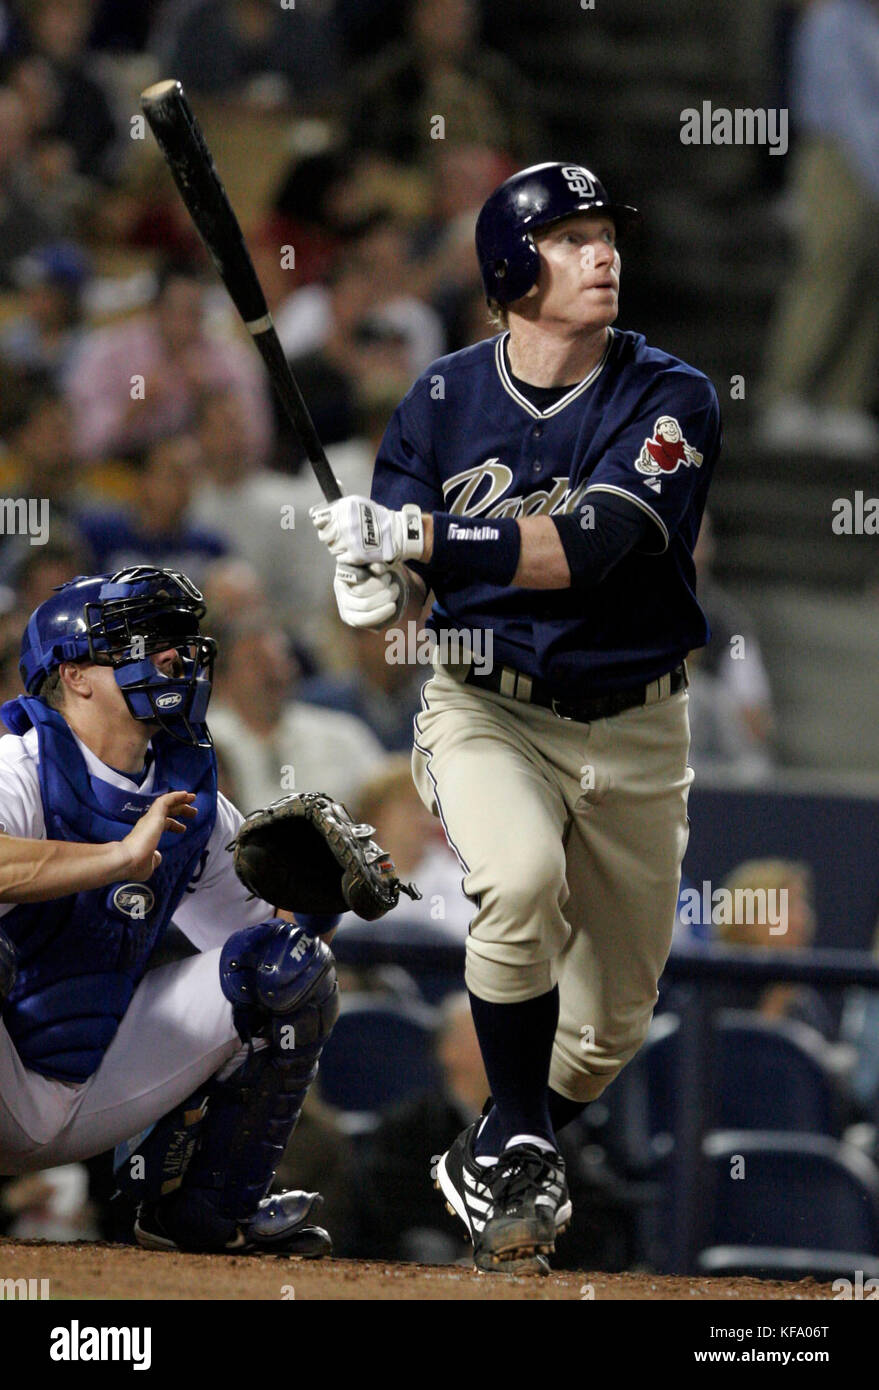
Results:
x,y
469,548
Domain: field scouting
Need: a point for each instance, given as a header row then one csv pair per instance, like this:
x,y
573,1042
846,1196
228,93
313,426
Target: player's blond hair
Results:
x,y
498,316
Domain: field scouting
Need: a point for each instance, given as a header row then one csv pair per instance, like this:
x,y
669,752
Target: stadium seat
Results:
x,y
772,1074
776,1074
789,1192
380,1052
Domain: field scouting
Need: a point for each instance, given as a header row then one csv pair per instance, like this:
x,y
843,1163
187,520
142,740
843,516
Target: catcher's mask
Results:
x,y
122,620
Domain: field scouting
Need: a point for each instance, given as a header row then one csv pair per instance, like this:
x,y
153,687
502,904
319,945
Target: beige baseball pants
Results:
x,y
571,838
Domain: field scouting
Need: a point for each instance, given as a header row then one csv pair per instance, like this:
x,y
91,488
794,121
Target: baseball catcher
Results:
x,y
195,1071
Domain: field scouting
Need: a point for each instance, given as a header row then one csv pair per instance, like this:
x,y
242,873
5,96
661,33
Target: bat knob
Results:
x,y
349,574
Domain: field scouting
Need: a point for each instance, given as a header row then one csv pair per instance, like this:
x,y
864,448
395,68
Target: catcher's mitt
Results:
x,y
305,853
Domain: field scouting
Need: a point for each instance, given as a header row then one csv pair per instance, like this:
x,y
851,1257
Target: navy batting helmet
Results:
x,y
535,197
120,620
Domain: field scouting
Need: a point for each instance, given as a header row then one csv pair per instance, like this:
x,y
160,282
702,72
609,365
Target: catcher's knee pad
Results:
x,y
282,983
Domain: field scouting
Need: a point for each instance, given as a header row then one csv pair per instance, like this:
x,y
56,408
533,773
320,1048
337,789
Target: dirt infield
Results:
x,y
118,1272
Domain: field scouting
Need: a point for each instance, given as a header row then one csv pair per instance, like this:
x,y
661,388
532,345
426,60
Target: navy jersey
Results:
x,y
642,426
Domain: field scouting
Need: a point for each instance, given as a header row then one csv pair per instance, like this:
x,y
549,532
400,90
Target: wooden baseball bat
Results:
x,y
181,141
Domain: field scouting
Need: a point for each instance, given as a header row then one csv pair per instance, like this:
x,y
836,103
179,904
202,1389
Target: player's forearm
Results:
x,y
36,871
541,560
536,552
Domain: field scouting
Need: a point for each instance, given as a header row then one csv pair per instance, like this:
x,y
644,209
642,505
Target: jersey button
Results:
x,y
537,466
537,431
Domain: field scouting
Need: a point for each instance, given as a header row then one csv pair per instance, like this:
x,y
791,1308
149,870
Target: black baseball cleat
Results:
x,y
281,1226
530,1206
467,1188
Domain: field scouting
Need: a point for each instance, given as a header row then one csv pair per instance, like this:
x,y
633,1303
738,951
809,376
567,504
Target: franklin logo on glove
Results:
x,y
368,528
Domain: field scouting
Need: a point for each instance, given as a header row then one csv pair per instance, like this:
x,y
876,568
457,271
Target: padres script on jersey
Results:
x,y
643,427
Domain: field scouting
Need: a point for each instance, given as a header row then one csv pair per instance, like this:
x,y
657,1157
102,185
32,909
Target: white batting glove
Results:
x,y
360,532
373,602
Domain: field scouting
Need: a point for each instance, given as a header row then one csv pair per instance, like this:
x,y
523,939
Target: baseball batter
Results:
x,y
112,825
547,485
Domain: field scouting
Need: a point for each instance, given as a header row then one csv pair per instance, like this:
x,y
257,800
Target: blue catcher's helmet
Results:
x,y
535,197
121,620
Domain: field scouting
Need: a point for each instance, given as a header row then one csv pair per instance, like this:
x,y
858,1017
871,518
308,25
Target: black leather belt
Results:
x,y
515,685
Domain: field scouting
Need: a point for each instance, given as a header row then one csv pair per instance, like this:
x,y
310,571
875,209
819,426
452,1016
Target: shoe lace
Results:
x,y
517,1174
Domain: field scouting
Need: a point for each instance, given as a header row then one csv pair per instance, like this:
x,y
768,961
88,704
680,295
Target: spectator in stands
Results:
x,y
365,319
141,380
441,67
823,347
233,590
27,218
446,272
41,454
46,567
156,531
252,50
272,743
771,905
263,516
388,800
730,699
42,471
384,694
80,111
380,388
45,336
143,210
301,215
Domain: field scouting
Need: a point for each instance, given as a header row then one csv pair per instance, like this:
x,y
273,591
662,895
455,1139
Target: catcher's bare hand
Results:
x,y
168,812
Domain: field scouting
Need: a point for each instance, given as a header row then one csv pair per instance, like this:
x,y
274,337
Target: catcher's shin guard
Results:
x,y
152,1164
282,983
